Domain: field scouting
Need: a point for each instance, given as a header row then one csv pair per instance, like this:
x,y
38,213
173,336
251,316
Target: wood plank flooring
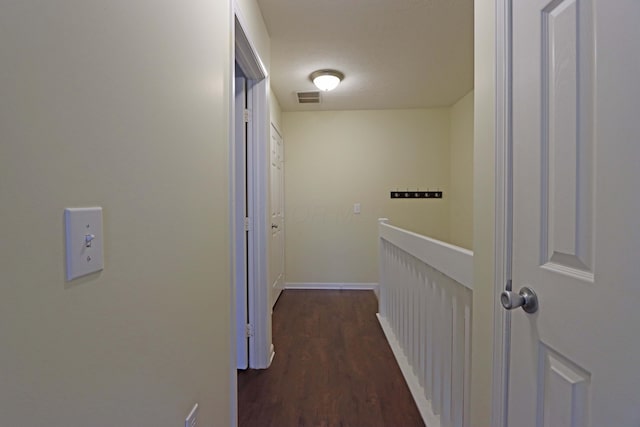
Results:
x,y
333,367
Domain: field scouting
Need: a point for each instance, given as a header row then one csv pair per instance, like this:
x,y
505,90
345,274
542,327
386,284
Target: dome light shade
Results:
x,y
326,80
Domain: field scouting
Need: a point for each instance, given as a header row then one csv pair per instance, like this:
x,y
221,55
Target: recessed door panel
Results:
x,y
563,395
567,133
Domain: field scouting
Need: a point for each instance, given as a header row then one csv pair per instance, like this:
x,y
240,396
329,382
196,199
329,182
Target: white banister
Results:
x,y
425,311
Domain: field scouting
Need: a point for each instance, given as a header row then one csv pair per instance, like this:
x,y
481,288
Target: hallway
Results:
x,y
333,367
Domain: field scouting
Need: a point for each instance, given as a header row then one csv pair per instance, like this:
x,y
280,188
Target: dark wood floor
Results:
x,y
333,367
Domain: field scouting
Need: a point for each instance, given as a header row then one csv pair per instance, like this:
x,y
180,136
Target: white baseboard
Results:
x,y
272,354
424,406
333,286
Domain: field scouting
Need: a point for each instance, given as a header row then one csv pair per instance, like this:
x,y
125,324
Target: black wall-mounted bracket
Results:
x,y
398,194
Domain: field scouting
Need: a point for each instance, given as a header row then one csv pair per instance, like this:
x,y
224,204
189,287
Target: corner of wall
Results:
x,y
276,111
484,209
461,179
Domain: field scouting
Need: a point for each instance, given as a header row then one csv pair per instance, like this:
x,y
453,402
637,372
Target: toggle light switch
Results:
x,y
83,229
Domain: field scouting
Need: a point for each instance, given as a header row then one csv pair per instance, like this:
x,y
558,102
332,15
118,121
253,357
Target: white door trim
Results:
x,y
260,348
503,212
233,358
240,203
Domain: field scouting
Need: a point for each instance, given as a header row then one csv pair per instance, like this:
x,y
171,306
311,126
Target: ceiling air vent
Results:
x,y
309,97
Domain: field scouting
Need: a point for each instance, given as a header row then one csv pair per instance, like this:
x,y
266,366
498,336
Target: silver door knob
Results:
x,y
525,298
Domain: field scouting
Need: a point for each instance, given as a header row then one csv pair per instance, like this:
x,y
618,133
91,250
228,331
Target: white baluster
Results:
x,y
447,344
427,317
457,389
467,363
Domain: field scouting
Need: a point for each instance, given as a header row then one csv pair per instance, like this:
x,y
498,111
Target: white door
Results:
x,y
576,217
277,215
240,200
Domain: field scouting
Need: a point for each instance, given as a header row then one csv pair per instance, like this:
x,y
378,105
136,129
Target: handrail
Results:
x,y
453,261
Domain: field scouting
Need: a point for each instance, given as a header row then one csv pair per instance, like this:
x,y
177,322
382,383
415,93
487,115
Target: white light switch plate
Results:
x,y
192,418
356,208
83,228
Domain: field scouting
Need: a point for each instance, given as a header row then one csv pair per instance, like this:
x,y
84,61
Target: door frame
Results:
x,y
242,51
260,348
503,231
240,201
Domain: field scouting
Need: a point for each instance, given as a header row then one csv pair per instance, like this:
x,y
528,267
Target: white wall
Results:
x,y
250,17
483,217
461,181
123,105
275,110
336,159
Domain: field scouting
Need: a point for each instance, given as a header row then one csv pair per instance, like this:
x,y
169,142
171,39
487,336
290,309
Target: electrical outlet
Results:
x,y
192,418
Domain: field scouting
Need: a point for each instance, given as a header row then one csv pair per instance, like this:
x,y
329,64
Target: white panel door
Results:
x,y
576,214
277,215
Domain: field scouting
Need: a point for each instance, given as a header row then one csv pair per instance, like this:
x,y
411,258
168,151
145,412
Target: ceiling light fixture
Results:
x,y
326,80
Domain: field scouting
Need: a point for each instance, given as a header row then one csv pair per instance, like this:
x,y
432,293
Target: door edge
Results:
x,y
503,212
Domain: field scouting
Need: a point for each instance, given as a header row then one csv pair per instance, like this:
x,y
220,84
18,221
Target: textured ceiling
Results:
x,y
394,53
